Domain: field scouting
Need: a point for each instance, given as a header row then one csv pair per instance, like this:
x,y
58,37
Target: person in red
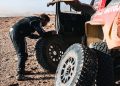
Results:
x,y
22,29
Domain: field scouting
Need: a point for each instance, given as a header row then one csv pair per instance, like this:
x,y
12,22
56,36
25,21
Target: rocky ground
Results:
x,y
8,61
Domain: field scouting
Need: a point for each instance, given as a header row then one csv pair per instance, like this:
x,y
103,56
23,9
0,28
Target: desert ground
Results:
x,y
37,75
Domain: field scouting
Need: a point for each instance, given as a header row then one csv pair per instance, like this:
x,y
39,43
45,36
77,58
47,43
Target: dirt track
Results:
x,y
37,75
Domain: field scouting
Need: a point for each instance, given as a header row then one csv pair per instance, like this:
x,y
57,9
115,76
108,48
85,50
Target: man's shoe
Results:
x,y
21,77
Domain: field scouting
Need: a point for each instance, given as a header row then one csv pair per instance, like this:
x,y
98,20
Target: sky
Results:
x,y
25,7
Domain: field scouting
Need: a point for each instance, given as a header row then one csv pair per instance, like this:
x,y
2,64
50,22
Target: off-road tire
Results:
x,y
105,65
100,46
45,50
77,67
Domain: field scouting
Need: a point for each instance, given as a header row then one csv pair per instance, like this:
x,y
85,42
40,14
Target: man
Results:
x,y
25,28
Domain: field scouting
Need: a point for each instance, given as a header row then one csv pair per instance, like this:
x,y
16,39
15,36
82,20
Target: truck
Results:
x,y
98,62
70,18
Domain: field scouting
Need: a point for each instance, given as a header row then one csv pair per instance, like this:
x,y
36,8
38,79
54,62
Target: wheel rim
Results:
x,y
55,52
67,69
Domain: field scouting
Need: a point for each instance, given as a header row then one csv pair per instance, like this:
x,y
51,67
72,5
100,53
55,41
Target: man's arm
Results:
x,y
34,36
38,27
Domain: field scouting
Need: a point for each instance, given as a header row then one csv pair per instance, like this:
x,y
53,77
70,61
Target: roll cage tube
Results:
x,y
57,24
92,2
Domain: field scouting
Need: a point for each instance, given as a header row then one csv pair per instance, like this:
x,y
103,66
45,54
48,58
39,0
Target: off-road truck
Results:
x,y
98,62
70,21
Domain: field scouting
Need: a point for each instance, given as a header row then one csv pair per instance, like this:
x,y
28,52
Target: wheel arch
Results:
x,y
94,32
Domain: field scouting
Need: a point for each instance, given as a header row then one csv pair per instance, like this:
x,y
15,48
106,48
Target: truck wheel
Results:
x,y
105,65
49,52
77,67
100,46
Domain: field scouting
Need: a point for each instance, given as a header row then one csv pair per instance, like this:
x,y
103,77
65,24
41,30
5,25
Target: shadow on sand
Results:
x,y
43,76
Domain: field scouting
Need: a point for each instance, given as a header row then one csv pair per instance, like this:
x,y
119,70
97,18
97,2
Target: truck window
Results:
x,y
65,7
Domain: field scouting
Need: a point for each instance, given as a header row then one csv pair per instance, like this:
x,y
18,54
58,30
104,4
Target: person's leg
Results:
x,y
22,55
20,47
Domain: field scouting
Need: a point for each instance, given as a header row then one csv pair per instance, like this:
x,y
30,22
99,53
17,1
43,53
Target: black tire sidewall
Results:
x,y
42,47
105,75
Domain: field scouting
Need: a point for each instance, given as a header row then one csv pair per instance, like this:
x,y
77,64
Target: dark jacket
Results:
x,y
27,26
